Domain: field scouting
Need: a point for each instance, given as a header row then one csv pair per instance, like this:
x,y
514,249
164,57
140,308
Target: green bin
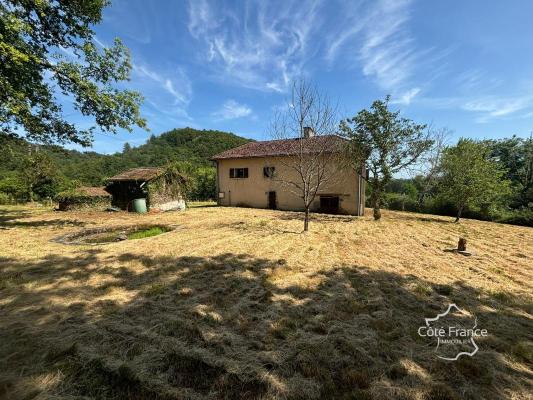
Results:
x,y
139,206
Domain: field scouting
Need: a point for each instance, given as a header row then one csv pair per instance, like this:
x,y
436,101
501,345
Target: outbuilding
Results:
x,y
84,197
162,188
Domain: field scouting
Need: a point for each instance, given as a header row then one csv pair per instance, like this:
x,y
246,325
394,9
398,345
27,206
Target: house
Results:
x,y
161,188
84,197
246,176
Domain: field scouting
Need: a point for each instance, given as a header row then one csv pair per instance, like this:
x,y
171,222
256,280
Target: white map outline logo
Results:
x,y
444,336
445,313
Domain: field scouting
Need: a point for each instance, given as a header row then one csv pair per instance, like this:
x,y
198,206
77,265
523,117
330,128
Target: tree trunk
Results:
x,y
376,199
376,205
377,213
306,220
459,212
30,193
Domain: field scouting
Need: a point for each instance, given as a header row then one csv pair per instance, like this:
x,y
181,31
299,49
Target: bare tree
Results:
x,y
309,155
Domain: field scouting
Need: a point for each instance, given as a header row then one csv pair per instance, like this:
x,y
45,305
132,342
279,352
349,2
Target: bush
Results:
x,y
401,202
5,198
517,217
204,184
440,206
13,187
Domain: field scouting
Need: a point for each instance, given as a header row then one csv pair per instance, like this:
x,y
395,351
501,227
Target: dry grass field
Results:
x,y
239,304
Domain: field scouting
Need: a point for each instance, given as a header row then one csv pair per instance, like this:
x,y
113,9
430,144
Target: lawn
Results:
x,y
238,304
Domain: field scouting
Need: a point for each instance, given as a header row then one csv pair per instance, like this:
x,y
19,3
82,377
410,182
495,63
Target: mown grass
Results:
x,y
239,304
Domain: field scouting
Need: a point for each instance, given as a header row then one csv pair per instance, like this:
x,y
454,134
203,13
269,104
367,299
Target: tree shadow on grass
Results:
x,y
233,327
9,215
15,219
317,217
42,223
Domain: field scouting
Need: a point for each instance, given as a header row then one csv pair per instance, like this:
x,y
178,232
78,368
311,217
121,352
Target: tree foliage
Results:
x,y
516,156
470,177
387,142
188,145
47,48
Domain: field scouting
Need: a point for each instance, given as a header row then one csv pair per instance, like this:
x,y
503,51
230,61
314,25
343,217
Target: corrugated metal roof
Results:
x,y
284,147
138,174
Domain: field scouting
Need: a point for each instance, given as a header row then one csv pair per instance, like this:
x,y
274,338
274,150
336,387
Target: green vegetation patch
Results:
x,y
148,232
114,234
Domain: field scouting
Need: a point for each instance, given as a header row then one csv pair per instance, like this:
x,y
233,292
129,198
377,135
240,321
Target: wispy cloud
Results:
x,y
261,46
491,107
484,108
265,45
377,39
387,53
406,97
178,85
232,110
476,80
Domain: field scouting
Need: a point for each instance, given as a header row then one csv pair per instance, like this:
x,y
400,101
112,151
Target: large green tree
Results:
x,y
387,142
470,177
47,48
39,175
516,156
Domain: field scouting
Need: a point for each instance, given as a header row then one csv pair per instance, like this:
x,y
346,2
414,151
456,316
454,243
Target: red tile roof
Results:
x,y
284,147
138,174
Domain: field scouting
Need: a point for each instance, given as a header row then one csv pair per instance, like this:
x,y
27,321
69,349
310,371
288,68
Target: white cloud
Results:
x,y
495,107
387,53
376,38
406,97
265,45
200,18
485,107
262,46
178,85
232,110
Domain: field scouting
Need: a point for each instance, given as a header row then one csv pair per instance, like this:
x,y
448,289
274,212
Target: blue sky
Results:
x,y
464,65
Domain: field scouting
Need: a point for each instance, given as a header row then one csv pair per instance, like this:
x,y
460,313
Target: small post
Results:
x,y
461,246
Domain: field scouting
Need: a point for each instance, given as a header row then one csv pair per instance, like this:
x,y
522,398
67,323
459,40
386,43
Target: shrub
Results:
x,y
5,198
400,202
518,217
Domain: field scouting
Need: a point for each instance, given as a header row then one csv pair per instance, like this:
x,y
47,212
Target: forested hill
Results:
x,y
90,168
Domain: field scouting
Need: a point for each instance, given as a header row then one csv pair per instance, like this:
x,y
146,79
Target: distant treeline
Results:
x,y
427,195
35,172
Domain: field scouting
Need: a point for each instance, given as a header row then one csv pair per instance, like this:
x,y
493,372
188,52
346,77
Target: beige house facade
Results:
x,y
248,176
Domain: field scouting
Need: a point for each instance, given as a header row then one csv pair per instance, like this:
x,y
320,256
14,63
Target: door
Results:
x,y
329,204
272,200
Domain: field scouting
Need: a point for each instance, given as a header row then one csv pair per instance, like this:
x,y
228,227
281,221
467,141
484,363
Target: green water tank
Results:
x,y
139,206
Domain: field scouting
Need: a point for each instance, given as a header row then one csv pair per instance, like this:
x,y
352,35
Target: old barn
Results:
x,y
82,198
161,187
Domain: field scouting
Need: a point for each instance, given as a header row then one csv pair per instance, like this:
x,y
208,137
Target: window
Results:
x,y
268,172
238,172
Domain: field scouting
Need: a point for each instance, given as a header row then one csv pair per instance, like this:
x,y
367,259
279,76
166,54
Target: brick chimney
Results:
x,y
308,132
